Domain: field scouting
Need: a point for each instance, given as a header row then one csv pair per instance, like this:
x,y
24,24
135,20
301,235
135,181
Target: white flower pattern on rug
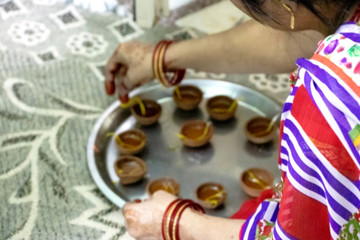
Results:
x,y
28,33
87,44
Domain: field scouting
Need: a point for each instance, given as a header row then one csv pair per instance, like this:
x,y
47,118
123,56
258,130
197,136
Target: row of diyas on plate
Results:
x,y
210,195
195,133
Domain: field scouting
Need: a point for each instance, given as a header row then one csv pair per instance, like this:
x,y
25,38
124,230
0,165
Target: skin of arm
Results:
x,y
247,48
199,226
144,221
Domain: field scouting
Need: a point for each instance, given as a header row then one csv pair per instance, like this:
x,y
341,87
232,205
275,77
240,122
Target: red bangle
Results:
x,y
165,216
193,206
175,216
172,215
160,63
159,68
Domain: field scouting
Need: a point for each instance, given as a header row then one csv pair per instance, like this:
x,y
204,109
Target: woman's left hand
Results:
x,y
143,220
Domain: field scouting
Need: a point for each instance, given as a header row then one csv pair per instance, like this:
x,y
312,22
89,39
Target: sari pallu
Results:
x,y
320,149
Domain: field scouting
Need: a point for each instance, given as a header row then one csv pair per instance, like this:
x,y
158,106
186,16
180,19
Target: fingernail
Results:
x,y
124,99
109,87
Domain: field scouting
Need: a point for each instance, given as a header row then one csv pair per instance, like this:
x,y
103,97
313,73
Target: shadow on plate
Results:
x,y
197,156
260,150
181,116
224,127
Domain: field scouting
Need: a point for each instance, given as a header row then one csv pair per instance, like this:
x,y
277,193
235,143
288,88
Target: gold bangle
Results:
x,y
176,220
155,61
162,76
167,235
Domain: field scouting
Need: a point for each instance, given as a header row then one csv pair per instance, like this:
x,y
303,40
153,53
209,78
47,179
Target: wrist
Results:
x,y
171,226
161,71
196,225
191,224
173,56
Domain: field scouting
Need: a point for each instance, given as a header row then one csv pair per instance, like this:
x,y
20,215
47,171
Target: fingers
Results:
x,y
114,70
113,65
123,91
128,67
111,69
132,218
110,87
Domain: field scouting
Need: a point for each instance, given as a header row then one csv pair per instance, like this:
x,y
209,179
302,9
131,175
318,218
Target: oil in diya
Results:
x,y
257,130
196,133
146,111
167,184
130,169
132,141
221,107
211,195
187,97
255,180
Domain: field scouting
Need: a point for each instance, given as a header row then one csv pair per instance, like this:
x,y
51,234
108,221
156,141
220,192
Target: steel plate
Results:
x,y
228,154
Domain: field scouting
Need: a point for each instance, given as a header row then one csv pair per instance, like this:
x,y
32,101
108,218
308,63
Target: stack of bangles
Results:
x,y
172,215
159,68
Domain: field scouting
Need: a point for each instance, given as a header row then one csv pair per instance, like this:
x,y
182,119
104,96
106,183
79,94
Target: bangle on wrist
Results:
x,y
159,68
170,222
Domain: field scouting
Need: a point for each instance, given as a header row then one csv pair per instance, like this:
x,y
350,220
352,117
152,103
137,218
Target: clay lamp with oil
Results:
x,y
260,130
196,133
187,97
130,169
167,184
255,180
210,195
146,111
221,107
130,142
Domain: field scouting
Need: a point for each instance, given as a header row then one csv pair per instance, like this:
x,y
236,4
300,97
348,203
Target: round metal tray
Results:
x,y
222,160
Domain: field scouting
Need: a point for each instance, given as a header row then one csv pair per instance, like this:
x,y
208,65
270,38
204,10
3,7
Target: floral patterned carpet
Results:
x,y
51,93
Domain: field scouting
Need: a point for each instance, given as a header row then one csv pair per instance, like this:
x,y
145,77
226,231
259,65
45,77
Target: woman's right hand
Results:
x,y
129,66
143,220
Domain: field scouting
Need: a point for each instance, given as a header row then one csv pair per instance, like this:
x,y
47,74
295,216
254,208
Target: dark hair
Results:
x,y
344,6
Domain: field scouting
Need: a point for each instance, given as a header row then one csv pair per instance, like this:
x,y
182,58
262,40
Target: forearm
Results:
x,y
195,226
247,48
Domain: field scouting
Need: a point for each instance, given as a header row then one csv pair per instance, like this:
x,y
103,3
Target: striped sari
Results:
x,y
320,149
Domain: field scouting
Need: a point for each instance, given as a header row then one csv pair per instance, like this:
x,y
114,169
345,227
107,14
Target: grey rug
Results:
x,y
51,93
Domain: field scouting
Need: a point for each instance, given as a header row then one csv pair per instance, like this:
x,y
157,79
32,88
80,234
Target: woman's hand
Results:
x,y
129,66
143,220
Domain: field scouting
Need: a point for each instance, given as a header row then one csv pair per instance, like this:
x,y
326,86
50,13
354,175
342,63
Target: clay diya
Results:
x,y
146,112
221,107
255,180
196,133
167,184
131,141
257,130
130,169
210,195
187,97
